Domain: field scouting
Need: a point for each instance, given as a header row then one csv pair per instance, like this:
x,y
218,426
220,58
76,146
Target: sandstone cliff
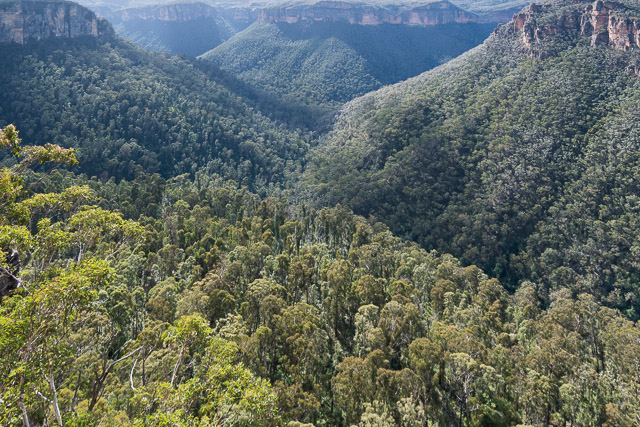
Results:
x,y
435,13
182,12
25,21
359,13
603,23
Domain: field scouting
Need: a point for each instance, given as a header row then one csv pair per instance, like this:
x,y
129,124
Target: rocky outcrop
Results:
x,y
435,13
25,21
173,12
181,12
604,23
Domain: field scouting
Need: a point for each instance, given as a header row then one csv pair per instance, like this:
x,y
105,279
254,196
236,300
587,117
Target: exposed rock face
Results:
x,y
25,21
605,23
182,12
179,28
172,12
441,12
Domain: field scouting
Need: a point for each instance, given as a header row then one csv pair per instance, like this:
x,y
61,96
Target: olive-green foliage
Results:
x,y
188,300
127,110
237,310
192,38
322,65
521,165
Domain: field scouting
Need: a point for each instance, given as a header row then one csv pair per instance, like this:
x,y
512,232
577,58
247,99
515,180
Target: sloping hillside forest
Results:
x,y
526,167
180,248
217,307
321,66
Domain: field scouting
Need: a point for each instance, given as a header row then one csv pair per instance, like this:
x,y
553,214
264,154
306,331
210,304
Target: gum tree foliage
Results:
x,y
237,310
523,165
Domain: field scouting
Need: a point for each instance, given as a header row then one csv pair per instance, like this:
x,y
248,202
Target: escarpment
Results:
x,y
603,23
26,21
435,13
182,12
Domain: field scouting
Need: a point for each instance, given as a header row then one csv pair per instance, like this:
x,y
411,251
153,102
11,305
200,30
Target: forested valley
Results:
x,y
181,248
320,66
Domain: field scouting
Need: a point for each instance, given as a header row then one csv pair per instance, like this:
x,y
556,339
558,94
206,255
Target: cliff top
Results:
x,y
23,22
553,10
547,27
31,1
467,5
369,4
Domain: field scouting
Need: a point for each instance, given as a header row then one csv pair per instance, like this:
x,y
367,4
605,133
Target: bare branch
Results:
x,y
131,374
40,395
125,356
25,416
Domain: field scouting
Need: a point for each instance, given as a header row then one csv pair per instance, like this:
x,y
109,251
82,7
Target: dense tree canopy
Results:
x,y
127,110
218,307
167,279
520,164
320,66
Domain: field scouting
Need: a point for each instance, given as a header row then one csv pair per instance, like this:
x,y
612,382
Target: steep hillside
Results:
x,y
128,110
521,155
321,65
27,21
188,28
150,291
314,54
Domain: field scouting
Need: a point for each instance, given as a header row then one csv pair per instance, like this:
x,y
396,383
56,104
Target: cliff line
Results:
x,y
604,23
435,13
26,21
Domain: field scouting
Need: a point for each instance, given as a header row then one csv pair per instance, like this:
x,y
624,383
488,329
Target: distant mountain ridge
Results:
x,y
195,27
179,12
190,28
26,21
434,13
324,64
129,111
320,54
